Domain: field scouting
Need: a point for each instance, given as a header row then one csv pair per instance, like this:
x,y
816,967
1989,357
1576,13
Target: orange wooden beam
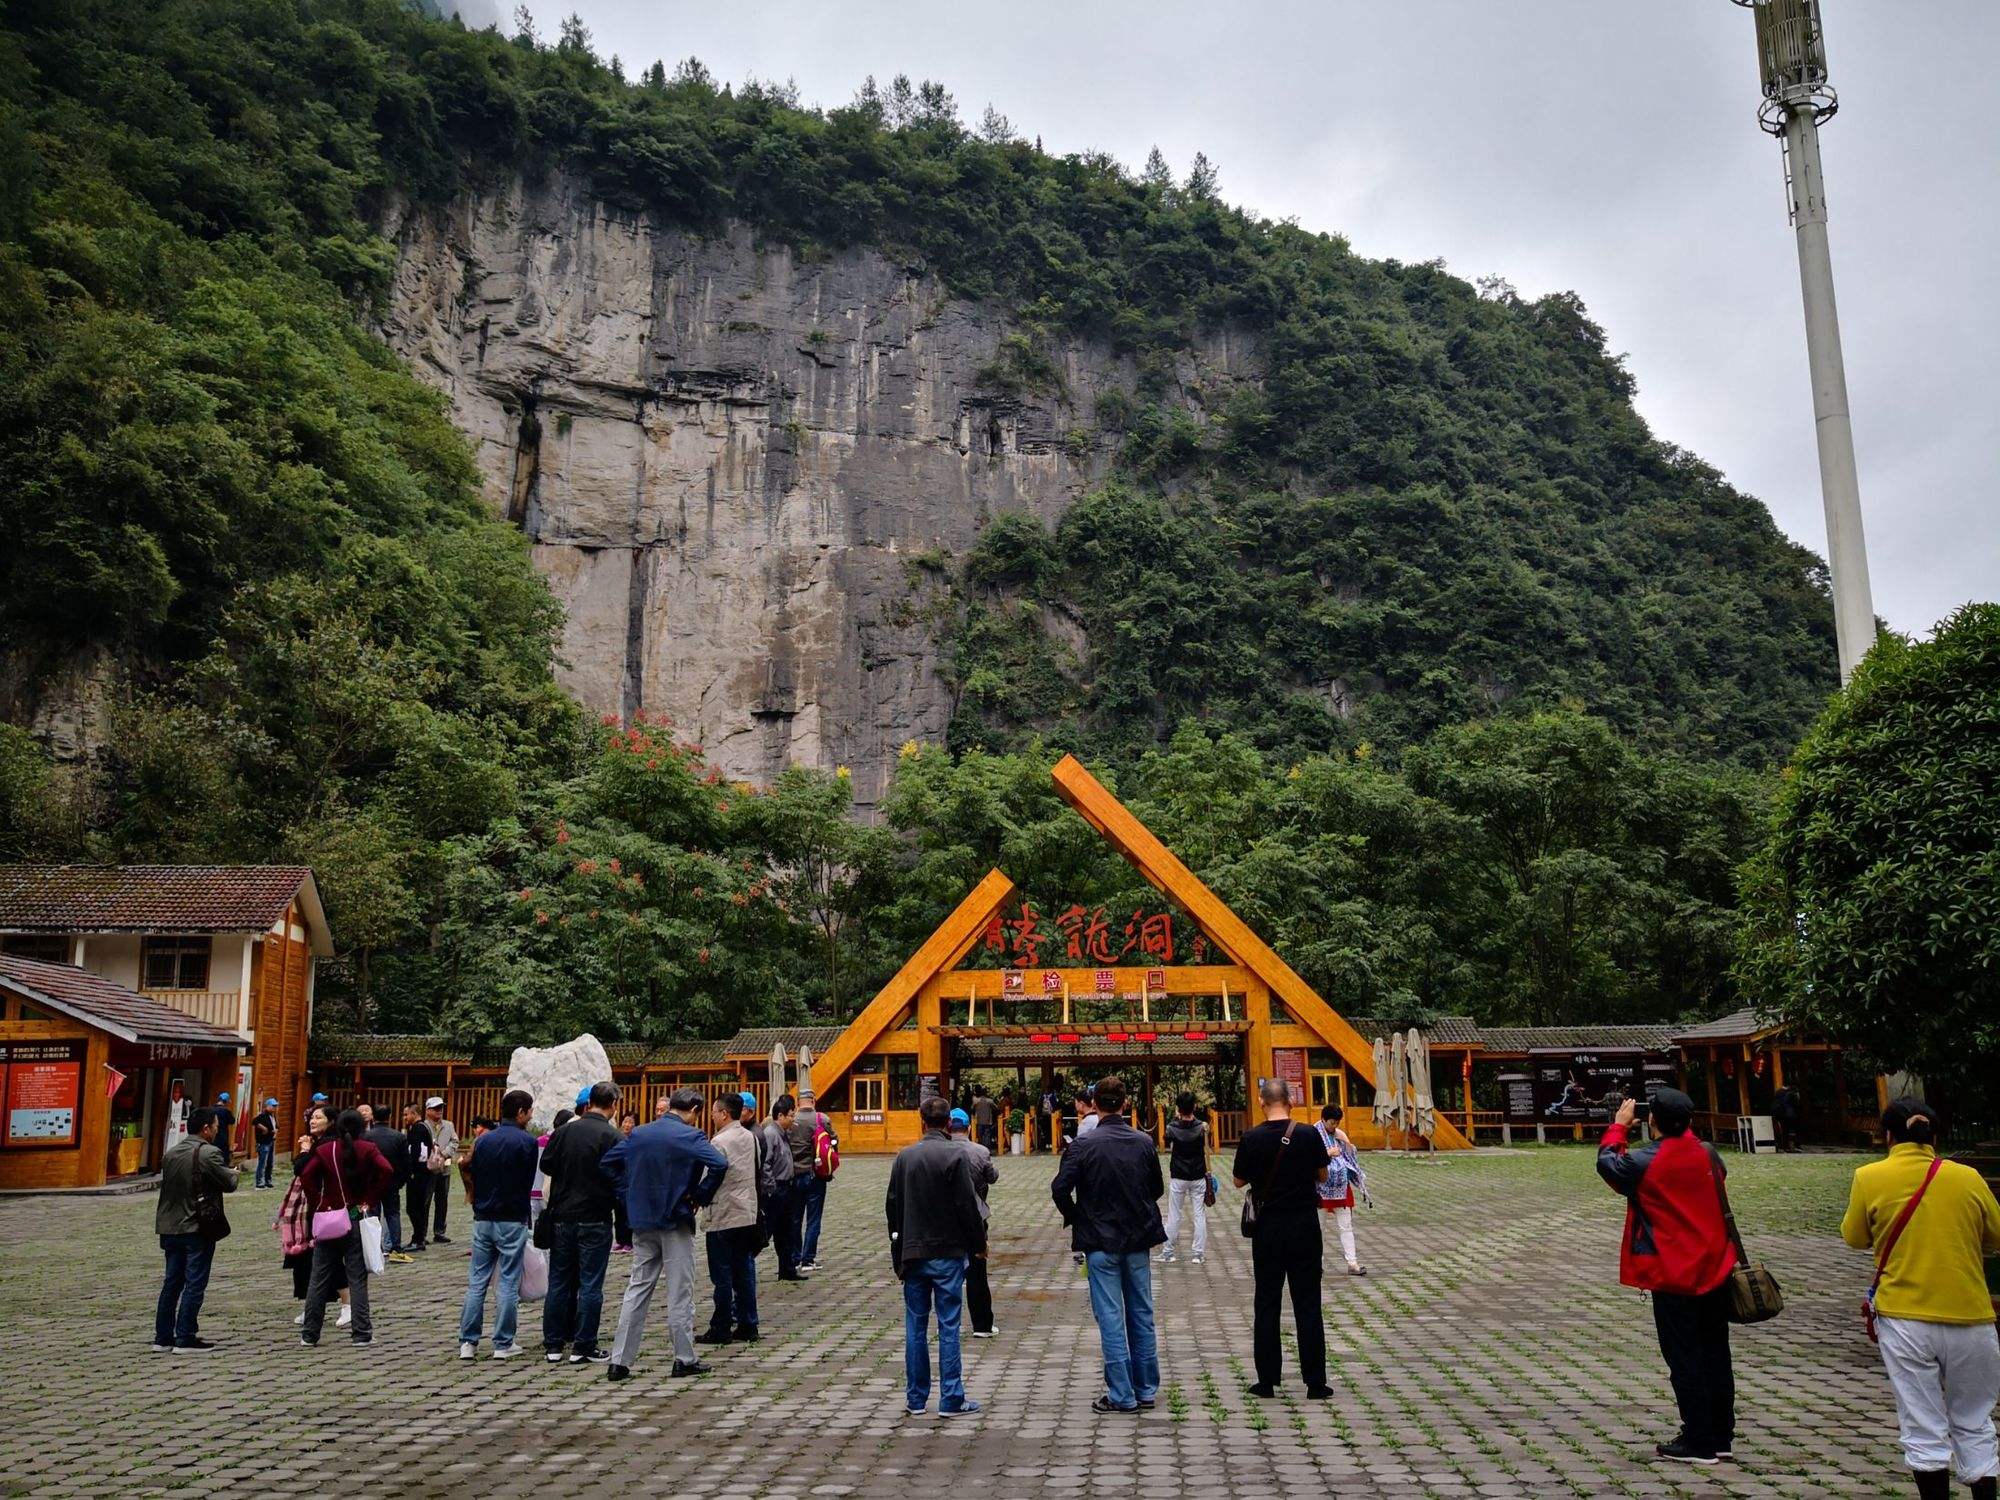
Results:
x,y
1164,870
952,940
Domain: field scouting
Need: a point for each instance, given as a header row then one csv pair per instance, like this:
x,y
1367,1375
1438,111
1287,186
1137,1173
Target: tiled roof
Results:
x,y
146,898
695,1054
386,1047
1653,1038
1445,1031
80,994
758,1041
1737,1026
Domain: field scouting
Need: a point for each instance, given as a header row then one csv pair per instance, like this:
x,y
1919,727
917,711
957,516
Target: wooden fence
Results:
x,y
464,1103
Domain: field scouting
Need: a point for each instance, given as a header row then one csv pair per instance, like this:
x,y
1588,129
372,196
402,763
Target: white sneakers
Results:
x,y
512,1351
346,1316
468,1351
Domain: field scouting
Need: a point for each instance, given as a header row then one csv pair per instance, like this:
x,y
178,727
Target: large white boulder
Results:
x,y
554,1074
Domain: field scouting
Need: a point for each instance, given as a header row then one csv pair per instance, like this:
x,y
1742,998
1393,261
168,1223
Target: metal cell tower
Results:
x,y
1791,65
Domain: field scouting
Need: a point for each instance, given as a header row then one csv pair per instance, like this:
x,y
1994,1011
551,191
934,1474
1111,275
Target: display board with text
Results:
x,y
41,1091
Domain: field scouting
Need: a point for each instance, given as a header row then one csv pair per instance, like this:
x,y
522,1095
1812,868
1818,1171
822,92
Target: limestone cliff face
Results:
x,y
734,465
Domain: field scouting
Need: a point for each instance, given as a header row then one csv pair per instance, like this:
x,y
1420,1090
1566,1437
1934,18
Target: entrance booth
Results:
x,y
1243,1008
98,1081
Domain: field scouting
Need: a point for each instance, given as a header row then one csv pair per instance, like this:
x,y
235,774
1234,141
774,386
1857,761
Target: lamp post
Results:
x,y
1791,66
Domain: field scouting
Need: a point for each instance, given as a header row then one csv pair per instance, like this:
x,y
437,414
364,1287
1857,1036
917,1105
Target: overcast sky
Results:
x,y
1603,146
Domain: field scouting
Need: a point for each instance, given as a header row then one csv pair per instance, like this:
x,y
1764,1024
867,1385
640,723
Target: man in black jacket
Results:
x,y
1108,1192
935,1228
383,1135
1282,1163
579,1209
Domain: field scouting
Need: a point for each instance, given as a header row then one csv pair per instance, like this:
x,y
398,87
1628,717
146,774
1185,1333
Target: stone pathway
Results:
x,y
1490,1353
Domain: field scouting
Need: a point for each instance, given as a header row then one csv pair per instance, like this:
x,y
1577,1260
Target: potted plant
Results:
x,y
1017,1125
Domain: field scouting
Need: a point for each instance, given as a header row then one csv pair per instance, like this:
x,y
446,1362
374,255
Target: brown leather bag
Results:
x,y
1754,1294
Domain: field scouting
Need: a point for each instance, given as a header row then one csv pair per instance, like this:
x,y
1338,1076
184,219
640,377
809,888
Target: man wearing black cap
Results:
x,y
1677,1246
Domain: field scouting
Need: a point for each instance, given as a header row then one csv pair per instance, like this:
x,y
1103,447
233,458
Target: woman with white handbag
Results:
x,y
343,1179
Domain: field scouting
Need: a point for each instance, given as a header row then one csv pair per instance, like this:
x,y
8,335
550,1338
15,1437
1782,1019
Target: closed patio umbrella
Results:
x,y
805,1070
1423,1111
1385,1085
777,1073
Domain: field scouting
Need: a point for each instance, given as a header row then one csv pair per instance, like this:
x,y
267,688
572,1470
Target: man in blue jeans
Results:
x,y
194,1168
934,1228
264,1131
503,1171
1108,1192
579,1207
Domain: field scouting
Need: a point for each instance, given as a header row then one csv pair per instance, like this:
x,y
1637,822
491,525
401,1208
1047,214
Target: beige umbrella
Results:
x,y
1385,1085
1399,1076
1423,1111
777,1074
805,1072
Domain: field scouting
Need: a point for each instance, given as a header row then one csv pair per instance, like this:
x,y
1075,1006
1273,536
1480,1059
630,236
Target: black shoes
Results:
x,y
1319,1393
1106,1404
682,1370
591,1357
744,1335
194,1346
712,1337
1681,1451
617,1373
1262,1391
440,1239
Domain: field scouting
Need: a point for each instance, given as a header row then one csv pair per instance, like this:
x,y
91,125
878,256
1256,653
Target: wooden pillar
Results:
x,y
1839,1096
1708,1072
1257,1044
1777,1067
1743,1080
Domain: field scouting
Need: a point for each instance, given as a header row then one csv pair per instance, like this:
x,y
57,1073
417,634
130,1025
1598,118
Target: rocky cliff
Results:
x,y
736,466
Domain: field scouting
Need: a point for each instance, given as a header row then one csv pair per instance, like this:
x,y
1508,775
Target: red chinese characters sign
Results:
x,y
1083,936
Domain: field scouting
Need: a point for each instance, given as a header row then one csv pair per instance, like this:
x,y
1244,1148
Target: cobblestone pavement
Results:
x,y
1490,1352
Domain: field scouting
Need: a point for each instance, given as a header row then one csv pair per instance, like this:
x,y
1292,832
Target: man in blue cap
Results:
x,y
225,1125
264,1134
978,1294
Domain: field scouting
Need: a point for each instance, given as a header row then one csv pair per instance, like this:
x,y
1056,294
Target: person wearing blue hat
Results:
x,y
264,1135
978,1292
225,1125
583,1097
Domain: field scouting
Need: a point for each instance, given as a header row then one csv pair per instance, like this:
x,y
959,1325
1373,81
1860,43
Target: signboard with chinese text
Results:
x,y
1012,982
1052,982
1086,935
1289,1063
42,1084
1107,981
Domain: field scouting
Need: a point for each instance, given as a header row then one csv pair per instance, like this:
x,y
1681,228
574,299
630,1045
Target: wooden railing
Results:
x,y
1227,1125
222,1008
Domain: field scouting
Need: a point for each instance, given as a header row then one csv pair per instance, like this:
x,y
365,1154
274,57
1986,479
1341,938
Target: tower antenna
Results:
x,y
1791,66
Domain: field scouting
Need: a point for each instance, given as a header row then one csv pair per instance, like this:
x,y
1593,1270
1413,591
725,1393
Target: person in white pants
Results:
x,y
1336,1190
1930,1223
1187,1180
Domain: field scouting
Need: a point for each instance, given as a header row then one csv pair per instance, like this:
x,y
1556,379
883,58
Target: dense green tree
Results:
x,y
1873,914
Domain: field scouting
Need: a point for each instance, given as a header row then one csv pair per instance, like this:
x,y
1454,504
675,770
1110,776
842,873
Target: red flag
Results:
x,y
114,1083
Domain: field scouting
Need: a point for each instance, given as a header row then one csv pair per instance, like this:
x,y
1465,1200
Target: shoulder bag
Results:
x,y
1253,1201
1754,1295
210,1222
334,1223
1889,1243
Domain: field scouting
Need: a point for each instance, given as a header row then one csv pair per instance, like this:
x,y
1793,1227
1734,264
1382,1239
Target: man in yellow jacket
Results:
x,y
1933,1314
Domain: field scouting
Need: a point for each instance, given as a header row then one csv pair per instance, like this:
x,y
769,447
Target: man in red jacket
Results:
x,y
1677,1247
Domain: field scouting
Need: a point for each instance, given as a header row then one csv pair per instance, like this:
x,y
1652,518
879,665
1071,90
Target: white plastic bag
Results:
x,y
371,1245
534,1274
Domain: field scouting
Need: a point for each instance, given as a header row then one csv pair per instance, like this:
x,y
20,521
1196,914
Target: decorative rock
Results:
x,y
554,1074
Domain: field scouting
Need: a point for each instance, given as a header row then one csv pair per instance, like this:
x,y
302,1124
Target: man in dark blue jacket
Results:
x,y
664,1171
1108,1192
503,1173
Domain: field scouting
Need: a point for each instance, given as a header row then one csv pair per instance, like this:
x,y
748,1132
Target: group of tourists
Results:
x,y
1930,1224
1108,1189
560,1204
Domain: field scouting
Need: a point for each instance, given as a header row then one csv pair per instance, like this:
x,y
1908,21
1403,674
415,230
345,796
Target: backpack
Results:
x,y
826,1151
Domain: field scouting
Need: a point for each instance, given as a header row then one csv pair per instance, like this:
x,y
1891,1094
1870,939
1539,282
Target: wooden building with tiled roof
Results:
x,y
235,947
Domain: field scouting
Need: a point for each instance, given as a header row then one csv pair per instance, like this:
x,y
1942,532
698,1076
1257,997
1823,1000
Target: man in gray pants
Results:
x,y
664,1171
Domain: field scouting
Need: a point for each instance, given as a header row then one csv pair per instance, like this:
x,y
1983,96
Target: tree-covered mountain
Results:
x,y
256,534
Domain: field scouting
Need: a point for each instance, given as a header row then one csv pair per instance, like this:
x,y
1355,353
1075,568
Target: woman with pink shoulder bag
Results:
x,y
343,1179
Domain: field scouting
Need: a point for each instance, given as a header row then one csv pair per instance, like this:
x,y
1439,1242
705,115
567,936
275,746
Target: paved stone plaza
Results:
x,y
1491,1352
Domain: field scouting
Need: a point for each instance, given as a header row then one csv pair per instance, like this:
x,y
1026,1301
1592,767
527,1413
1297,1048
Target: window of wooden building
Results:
x,y
173,963
903,1092
41,947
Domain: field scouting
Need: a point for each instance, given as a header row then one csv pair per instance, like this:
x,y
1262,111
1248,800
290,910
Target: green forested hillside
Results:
x,y
1440,505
